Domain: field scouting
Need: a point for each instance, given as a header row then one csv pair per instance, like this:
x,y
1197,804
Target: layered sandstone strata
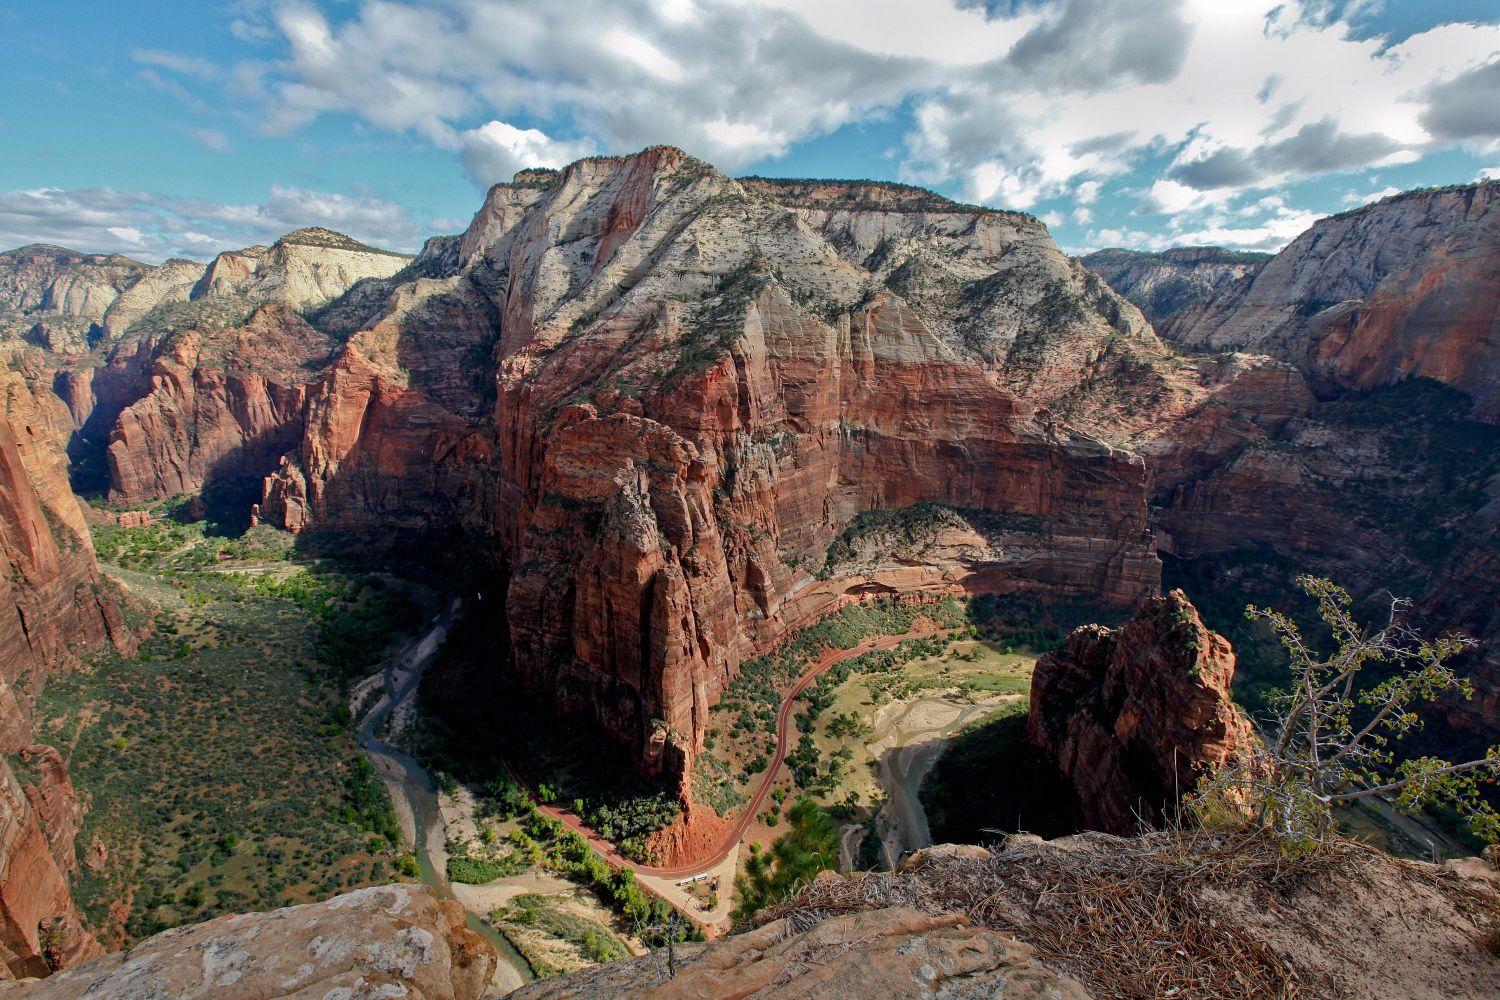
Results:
x,y
302,270
220,404
1164,284
697,383
1407,287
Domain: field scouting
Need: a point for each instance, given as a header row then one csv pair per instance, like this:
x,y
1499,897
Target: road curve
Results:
x,y
783,718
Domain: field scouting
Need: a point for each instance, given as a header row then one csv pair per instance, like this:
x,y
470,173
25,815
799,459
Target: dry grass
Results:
x,y
1155,916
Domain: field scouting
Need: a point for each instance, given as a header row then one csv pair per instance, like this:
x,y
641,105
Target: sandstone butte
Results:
x,y
652,395
1134,716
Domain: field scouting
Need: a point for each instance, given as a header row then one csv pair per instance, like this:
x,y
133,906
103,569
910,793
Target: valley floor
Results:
x,y
221,767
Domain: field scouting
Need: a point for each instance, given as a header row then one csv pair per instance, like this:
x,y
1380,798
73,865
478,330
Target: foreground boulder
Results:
x,y
1134,716
384,941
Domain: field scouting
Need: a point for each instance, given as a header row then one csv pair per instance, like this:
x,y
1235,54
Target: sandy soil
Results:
x,y
715,921
908,738
481,899
363,695
390,773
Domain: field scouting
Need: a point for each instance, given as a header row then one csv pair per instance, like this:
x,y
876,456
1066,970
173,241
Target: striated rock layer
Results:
x,y
1375,461
222,404
1134,716
1164,284
384,941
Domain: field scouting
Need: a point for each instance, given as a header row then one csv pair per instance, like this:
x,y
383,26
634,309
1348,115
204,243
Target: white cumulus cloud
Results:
x,y
496,150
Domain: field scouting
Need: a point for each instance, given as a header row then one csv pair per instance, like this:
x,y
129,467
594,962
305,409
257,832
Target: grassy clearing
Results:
x,y
220,761
969,671
536,842
554,937
742,736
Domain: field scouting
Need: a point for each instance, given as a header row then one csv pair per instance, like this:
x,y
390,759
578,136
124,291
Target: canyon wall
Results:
x,y
696,387
62,610
1164,284
1406,287
1376,462
655,396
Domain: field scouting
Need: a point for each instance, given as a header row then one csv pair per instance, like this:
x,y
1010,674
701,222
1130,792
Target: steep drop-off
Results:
x,y
1384,475
1135,716
57,609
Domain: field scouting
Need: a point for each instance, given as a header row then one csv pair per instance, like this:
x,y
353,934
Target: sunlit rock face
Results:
x,y
384,941
1407,287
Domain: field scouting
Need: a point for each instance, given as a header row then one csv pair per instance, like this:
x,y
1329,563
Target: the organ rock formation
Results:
x,y
660,394
1134,716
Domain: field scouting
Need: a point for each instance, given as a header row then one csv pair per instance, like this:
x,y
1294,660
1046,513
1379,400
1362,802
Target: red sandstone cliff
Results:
x,y
222,403
1134,716
1346,461
61,609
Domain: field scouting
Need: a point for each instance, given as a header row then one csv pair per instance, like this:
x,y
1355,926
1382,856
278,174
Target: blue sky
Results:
x,y
181,129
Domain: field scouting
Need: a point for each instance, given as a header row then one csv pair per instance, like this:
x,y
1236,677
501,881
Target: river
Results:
x,y
408,779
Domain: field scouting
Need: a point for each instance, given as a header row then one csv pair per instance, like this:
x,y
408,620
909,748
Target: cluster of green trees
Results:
x,y
810,845
358,618
227,693
369,803
754,693
545,840
815,773
810,770
594,942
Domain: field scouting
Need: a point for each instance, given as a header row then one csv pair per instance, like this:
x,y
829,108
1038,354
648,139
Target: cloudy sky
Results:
x,y
180,129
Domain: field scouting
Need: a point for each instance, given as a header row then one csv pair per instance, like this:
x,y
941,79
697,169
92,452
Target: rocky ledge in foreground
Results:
x,y
384,941
1189,915
895,952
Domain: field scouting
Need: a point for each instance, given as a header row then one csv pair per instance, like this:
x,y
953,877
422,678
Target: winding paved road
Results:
x,y
827,661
